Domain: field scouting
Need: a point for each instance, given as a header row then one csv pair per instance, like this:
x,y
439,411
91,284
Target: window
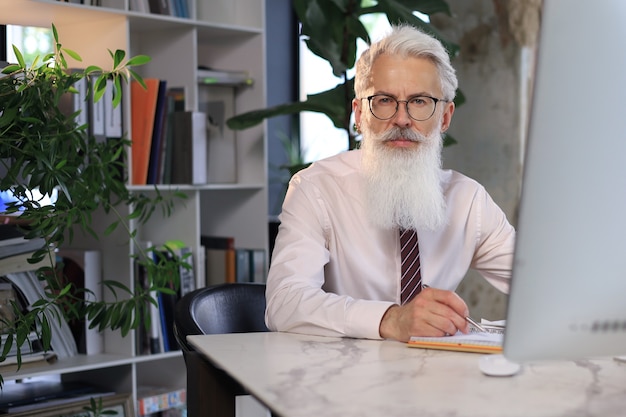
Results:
x,y
319,138
30,40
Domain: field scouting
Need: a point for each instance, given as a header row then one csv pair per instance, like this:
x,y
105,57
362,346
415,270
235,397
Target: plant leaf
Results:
x,y
138,60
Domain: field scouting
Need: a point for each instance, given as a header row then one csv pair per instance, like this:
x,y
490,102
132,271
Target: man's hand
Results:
x,y
432,312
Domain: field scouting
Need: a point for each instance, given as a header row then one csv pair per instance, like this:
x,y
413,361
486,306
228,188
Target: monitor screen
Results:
x,y
568,291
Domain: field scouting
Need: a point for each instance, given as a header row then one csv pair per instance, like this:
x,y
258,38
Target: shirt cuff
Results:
x,y
363,318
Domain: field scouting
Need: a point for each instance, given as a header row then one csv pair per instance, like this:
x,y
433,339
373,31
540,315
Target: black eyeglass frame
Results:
x,y
406,105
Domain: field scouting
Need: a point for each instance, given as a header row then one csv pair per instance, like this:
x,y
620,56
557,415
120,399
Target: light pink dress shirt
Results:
x,y
333,273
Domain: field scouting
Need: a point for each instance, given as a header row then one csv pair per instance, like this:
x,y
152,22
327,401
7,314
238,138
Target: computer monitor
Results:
x,y
568,290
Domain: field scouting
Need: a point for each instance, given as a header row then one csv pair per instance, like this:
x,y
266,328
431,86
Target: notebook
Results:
x,y
475,341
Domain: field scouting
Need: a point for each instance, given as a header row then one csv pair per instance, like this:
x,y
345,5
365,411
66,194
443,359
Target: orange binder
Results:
x,y
143,111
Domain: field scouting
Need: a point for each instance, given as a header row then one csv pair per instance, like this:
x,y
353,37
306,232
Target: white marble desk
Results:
x,y
307,376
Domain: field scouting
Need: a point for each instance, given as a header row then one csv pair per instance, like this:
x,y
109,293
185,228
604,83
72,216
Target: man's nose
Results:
x,y
402,115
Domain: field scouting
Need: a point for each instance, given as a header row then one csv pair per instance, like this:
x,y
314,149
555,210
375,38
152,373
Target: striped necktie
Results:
x,y
411,274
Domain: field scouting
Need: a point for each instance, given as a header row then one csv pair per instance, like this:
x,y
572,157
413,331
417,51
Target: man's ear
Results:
x,y
446,119
356,108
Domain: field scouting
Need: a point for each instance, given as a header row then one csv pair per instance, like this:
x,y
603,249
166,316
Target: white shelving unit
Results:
x,y
221,34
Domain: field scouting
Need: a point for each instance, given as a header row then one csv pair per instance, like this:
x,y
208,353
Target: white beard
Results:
x,y
403,186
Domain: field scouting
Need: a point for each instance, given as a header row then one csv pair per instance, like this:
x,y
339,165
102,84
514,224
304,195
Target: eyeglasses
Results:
x,y
419,108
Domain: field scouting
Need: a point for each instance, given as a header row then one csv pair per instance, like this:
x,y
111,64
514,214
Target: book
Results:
x,y
149,338
142,333
189,150
167,303
71,405
242,265
258,266
220,261
174,8
113,126
186,276
96,113
251,265
32,344
30,396
140,6
159,6
199,267
7,313
76,105
83,268
20,263
184,8
31,289
143,110
175,101
475,341
27,246
158,134
155,399
28,361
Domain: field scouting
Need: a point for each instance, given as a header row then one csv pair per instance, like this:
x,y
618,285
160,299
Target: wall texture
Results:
x,y
493,71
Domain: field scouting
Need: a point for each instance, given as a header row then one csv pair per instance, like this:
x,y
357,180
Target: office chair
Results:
x,y
224,308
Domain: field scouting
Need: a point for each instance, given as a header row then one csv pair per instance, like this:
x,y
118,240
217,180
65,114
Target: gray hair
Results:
x,y
407,41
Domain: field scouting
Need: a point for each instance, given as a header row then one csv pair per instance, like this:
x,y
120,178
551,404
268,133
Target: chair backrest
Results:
x,y
224,308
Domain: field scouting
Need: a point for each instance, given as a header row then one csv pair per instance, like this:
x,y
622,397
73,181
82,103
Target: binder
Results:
x,y
112,115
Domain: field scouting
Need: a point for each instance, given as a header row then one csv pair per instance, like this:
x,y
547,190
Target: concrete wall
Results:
x,y
493,71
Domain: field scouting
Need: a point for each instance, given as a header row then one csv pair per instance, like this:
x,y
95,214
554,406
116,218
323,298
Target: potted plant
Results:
x,y
45,149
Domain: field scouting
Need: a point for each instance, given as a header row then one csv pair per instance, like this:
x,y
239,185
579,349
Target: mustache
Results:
x,y
397,133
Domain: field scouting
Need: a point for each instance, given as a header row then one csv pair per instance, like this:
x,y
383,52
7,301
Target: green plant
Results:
x,y
43,148
331,29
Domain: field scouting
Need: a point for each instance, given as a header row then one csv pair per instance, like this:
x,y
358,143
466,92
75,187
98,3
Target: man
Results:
x,y
337,263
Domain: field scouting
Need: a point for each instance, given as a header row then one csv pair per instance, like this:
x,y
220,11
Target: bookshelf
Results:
x,y
225,34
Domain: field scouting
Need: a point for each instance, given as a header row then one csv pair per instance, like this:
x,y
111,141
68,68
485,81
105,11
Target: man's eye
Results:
x,y
385,100
417,101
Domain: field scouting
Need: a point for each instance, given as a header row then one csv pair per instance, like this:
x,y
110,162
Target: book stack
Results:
x,y
172,145
20,284
28,285
227,263
160,401
31,352
100,119
168,143
15,253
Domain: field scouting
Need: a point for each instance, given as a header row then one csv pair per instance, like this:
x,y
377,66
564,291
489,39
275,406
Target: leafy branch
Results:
x,y
44,149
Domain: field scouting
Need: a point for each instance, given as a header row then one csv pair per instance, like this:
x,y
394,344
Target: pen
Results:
x,y
468,318
475,324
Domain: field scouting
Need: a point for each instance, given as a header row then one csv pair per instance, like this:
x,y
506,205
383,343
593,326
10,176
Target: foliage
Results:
x,y
43,148
331,29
